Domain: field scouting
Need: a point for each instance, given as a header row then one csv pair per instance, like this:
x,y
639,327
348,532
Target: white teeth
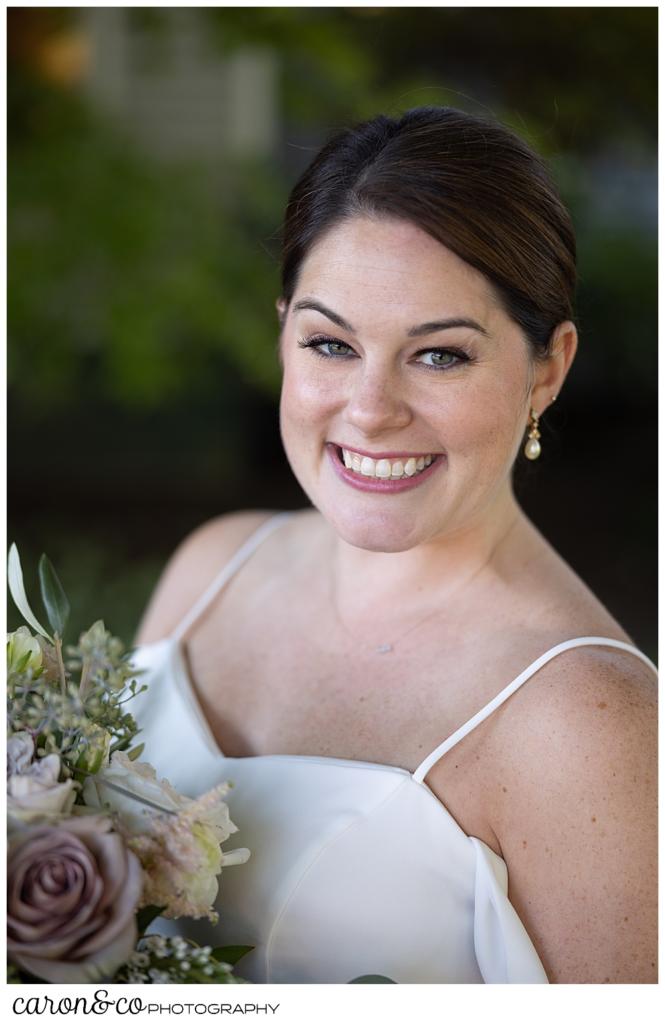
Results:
x,y
385,469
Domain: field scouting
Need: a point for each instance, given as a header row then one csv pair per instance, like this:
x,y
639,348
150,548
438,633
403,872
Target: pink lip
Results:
x,y
372,483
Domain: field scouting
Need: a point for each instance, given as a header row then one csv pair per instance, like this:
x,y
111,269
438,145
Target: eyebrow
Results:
x,y
414,332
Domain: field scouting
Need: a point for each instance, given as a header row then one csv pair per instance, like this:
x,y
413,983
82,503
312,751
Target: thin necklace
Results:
x,y
389,647
383,648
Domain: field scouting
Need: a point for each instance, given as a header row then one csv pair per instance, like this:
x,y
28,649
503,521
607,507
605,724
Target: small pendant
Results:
x,y
384,649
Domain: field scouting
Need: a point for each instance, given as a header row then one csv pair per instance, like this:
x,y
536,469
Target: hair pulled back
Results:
x,y
470,183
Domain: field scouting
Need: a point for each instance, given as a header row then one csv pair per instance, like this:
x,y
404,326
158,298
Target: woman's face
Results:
x,y
399,361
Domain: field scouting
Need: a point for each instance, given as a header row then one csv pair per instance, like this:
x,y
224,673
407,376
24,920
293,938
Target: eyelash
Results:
x,y
317,341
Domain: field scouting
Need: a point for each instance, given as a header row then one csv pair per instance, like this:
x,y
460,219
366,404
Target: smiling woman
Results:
x,y
372,388
330,661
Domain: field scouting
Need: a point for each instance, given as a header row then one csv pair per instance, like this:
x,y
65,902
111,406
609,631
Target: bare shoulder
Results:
x,y
586,696
576,814
592,685
192,567
582,719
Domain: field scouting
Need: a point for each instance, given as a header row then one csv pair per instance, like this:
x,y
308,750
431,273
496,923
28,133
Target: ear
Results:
x,y
551,373
281,306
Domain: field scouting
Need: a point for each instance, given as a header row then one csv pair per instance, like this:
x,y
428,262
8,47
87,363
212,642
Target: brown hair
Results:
x,y
470,183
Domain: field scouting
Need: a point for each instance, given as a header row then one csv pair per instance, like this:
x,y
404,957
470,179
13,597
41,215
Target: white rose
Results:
x,y
136,779
20,752
180,850
35,792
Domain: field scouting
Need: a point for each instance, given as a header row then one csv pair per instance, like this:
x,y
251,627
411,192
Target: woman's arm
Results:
x,y
192,567
577,822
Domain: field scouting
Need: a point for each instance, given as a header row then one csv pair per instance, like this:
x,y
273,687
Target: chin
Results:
x,y
375,531
365,521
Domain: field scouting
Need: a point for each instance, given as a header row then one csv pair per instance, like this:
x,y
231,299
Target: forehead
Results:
x,y
389,264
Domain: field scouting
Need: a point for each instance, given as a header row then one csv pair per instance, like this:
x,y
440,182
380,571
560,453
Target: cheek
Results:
x,y
307,397
306,409
484,422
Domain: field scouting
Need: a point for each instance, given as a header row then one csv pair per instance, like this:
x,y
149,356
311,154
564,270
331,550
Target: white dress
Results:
x,y
355,868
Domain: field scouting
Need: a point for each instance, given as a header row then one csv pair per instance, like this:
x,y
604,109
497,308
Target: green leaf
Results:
x,y
146,916
53,596
372,979
17,590
136,752
230,954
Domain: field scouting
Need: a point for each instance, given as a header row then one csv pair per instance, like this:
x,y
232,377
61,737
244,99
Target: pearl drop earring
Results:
x,y
532,447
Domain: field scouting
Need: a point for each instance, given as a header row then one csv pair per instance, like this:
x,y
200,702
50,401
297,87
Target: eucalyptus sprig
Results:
x,y
81,722
54,600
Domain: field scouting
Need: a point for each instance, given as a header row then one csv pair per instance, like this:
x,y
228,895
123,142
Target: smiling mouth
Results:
x,y
384,469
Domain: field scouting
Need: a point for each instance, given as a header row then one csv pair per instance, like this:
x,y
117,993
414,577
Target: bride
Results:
x,y
442,745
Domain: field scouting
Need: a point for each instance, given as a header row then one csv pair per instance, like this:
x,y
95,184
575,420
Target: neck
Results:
x,y
372,581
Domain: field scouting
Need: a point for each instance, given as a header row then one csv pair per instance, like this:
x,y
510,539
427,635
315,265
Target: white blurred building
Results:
x,y
174,89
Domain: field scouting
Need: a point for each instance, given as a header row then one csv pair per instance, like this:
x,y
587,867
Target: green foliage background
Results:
x,y
142,371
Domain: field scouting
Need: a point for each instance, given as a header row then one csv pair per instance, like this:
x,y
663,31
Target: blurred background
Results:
x,y
151,153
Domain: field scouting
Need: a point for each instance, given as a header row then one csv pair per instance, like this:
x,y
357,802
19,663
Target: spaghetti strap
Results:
x,y
244,552
508,691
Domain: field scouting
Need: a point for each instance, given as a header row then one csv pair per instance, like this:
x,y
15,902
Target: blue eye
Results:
x,y
327,348
437,358
442,358
334,348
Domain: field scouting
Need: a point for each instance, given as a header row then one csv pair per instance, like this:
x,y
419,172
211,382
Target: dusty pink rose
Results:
x,y
73,889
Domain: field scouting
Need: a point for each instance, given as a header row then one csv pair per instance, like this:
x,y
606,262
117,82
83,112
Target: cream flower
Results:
x,y
20,752
33,790
23,651
177,840
135,779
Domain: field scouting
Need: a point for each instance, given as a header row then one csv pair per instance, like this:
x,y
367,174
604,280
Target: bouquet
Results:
x,y
98,846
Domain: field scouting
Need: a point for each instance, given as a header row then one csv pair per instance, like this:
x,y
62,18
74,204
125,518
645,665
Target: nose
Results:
x,y
376,404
